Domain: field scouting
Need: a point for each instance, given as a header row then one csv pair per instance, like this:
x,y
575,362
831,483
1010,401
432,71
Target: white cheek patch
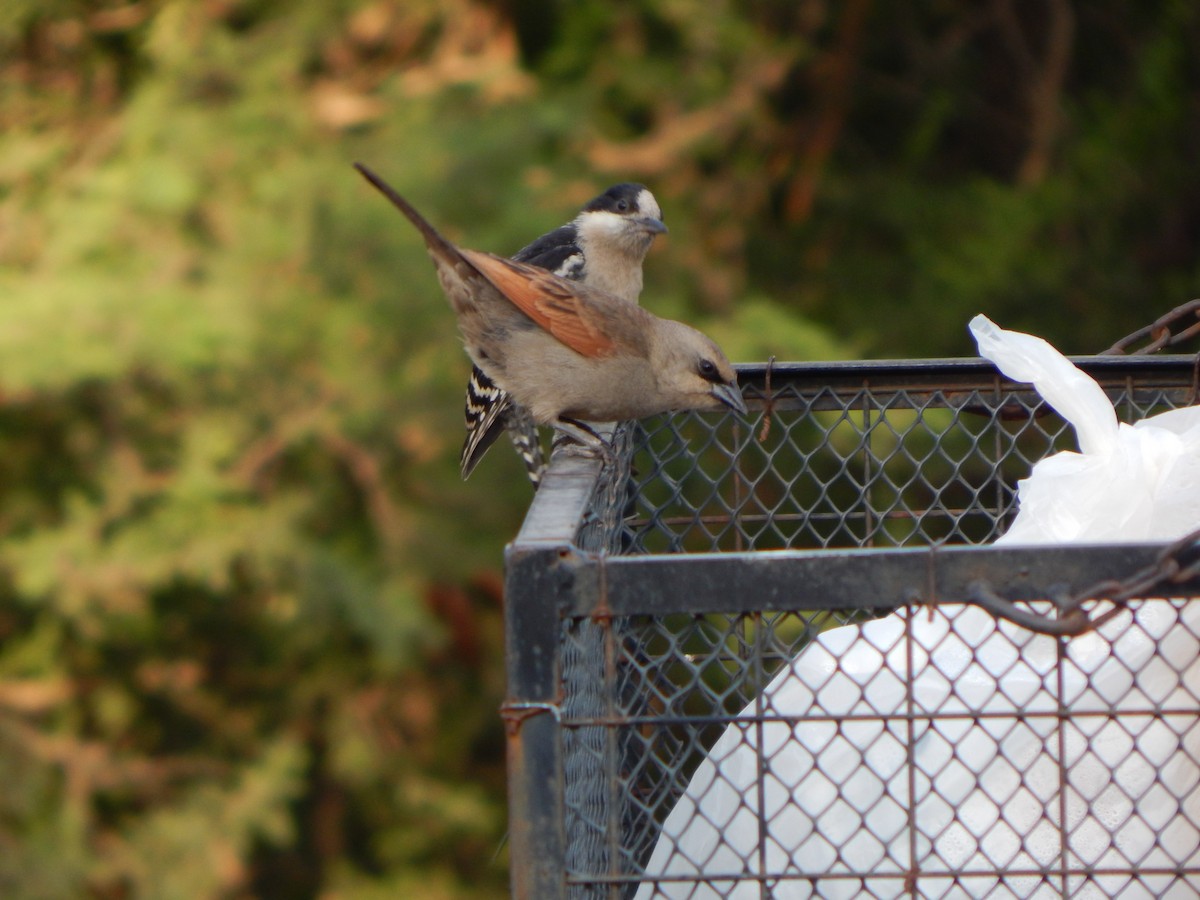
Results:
x,y
647,205
601,225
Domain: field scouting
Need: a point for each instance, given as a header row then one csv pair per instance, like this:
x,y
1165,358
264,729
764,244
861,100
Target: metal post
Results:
x,y
531,717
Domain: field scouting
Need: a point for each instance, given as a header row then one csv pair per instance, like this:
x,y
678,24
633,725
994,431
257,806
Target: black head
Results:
x,y
630,203
626,199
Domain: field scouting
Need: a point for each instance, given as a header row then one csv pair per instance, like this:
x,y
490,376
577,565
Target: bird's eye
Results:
x,y
622,206
708,370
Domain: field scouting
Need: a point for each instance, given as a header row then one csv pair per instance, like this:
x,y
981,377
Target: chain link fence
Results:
x,y
687,719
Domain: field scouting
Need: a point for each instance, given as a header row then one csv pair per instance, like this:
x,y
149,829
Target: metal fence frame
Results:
x,y
562,564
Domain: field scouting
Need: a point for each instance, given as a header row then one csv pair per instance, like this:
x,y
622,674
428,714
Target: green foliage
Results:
x,y
249,622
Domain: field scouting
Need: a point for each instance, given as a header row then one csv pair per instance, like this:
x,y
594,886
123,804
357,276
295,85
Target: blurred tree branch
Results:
x,y
1043,75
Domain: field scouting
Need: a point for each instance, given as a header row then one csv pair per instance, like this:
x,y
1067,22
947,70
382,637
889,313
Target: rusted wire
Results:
x,y
1177,564
1174,328
768,401
1068,623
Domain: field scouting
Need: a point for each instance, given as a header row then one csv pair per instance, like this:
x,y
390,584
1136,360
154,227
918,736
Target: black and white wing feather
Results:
x,y
558,251
489,410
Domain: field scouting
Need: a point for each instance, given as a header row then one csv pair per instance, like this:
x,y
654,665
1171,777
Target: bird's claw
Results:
x,y
601,450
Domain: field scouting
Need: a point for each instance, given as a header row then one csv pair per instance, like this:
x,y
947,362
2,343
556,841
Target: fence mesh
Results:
x,y
921,751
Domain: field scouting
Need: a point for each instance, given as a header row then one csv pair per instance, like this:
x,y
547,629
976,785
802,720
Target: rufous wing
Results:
x,y
553,303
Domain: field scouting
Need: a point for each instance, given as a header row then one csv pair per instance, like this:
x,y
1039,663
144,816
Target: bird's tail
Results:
x,y
524,434
485,412
489,411
433,238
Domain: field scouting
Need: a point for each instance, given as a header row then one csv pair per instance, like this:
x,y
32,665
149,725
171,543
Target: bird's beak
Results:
x,y
731,396
652,225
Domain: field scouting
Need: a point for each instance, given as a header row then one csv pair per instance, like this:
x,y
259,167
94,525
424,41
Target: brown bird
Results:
x,y
566,352
603,247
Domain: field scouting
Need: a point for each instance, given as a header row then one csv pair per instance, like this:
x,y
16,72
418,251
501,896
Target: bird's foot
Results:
x,y
577,438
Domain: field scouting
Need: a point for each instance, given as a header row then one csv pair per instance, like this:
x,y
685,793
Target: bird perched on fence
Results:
x,y
603,247
567,352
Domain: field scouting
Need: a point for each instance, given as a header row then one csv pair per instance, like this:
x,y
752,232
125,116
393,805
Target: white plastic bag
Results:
x,y
831,793
1127,483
